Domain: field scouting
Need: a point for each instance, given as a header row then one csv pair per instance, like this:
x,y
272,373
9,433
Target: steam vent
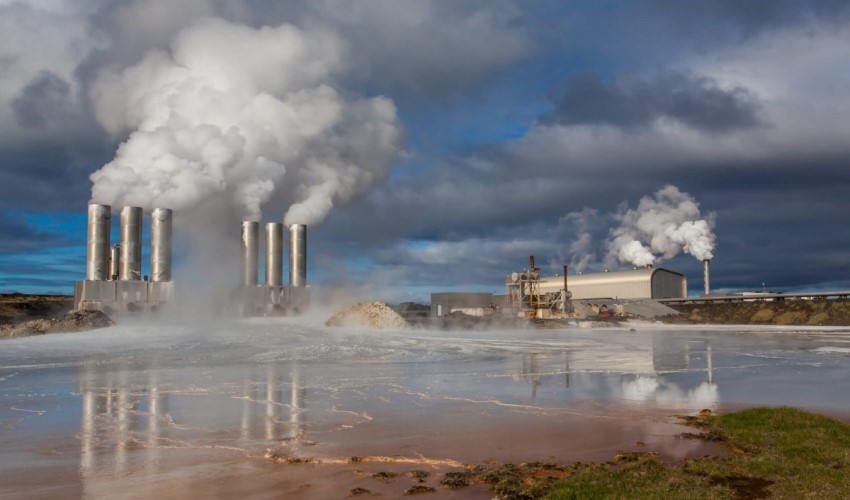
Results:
x,y
114,279
272,297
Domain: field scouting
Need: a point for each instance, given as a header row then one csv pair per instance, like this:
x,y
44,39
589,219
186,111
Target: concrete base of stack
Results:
x,y
122,296
270,300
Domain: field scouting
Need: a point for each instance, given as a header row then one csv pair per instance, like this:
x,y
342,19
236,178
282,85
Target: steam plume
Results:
x,y
662,226
242,116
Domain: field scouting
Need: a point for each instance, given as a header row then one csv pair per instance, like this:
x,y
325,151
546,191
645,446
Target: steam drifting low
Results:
x,y
246,116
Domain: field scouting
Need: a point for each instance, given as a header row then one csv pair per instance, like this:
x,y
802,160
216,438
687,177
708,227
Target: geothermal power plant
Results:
x,y
115,283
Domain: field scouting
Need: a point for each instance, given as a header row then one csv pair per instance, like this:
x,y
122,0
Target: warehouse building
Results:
x,y
644,283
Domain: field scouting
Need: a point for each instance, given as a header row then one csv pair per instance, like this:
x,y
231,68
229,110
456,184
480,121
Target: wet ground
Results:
x,y
179,411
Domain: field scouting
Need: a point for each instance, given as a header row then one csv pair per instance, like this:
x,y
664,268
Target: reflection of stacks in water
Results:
x,y
270,394
273,399
111,417
530,371
567,370
709,363
669,353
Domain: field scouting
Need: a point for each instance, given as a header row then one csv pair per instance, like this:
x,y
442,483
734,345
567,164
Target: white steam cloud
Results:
x,y
662,226
245,116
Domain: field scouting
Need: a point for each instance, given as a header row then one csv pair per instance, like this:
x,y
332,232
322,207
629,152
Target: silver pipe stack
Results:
x,y
250,246
114,261
97,248
131,244
298,255
705,273
274,254
161,244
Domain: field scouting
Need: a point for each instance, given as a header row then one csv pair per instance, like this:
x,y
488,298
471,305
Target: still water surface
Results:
x,y
182,410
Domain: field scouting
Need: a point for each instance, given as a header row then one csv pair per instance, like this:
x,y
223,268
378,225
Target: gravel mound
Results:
x,y
74,321
374,315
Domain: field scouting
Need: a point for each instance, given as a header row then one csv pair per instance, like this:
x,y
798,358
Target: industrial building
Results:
x,y
645,283
469,303
534,296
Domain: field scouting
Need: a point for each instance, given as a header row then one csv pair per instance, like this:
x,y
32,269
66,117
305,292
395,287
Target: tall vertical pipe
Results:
x,y
297,255
114,262
97,248
705,273
131,244
250,247
274,254
161,244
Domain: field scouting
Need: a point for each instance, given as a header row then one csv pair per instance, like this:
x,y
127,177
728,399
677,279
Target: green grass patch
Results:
x,y
775,453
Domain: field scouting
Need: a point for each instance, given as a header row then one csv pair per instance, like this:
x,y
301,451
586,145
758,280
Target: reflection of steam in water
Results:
x,y
644,374
654,388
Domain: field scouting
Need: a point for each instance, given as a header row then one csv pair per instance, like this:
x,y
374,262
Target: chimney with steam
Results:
x,y
97,249
705,271
130,268
274,254
250,244
298,255
161,244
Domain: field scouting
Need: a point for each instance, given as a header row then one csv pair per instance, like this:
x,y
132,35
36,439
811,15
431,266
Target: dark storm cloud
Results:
x,y
44,99
750,16
695,101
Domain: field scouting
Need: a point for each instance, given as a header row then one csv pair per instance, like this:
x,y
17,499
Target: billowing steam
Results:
x,y
242,116
662,226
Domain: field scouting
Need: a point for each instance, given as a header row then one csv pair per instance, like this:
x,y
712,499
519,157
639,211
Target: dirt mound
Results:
x,y
74,321
374,315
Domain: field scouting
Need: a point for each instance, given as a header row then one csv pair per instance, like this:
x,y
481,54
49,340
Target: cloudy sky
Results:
x,y
432,145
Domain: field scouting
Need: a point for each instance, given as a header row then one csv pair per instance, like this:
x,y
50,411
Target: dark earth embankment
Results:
x,y
17,307
26,315
819,312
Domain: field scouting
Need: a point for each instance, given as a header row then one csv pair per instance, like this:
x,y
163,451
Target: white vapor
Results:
x,y
242,116
662,226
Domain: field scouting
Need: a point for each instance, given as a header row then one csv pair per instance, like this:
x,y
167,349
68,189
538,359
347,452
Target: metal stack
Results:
x,y
272,297
114,280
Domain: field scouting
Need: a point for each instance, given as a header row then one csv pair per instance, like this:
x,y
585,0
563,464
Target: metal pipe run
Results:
x,y
97,248
161,244
298,255
274,254
706,264
250,247
131,244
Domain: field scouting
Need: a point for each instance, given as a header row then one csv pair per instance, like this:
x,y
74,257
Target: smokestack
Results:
x,y
250,246
97,248
706,264
161,244
131,244
114,262
274,254
531,263
566,268
297,255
